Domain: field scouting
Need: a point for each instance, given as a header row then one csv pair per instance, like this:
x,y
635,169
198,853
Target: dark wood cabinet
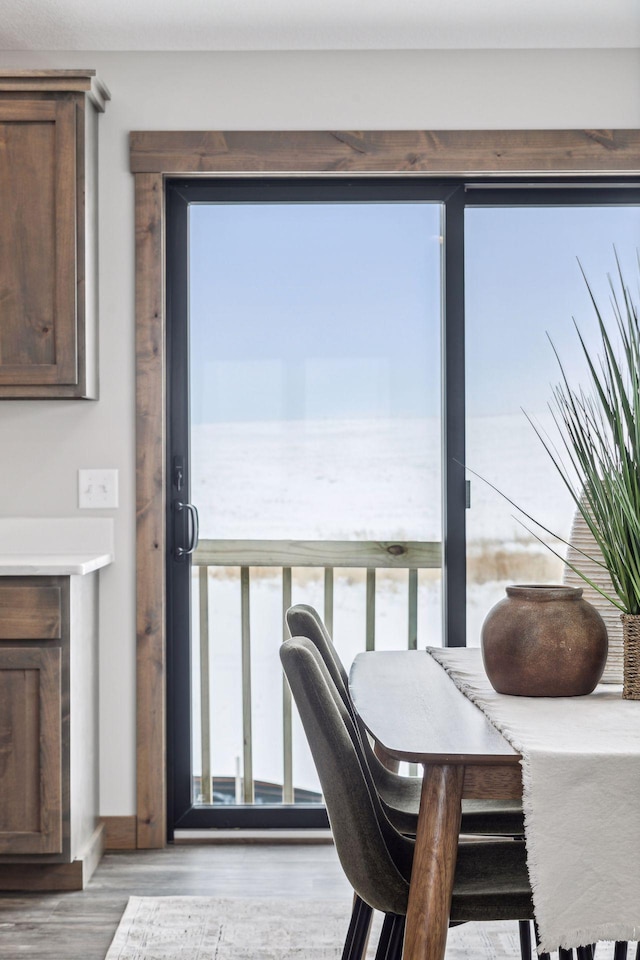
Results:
x,y
30,750
48,241
50,836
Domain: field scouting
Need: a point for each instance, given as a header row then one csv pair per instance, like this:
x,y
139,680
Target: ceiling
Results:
x,y
317,24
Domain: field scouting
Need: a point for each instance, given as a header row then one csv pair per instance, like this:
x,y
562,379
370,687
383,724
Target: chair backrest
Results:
x,y
374,856
305,621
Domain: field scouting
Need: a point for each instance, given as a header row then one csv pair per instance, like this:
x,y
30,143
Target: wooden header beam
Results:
x,y
417,152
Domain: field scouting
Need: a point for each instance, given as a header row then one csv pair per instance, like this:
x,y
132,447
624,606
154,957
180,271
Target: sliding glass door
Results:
x,y
306,418
339,351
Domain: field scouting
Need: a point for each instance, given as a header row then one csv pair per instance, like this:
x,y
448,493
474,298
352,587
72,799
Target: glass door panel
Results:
x,y
314,358
523,286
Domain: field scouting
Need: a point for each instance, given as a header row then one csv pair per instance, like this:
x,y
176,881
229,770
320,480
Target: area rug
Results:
x,y
203,928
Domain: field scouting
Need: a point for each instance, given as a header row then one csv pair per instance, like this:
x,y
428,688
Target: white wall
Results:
x,y
44,443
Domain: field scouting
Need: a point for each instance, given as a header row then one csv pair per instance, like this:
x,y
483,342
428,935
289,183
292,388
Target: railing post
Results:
x,y
371,609
328,599
205,693
412,643
413,632
247,739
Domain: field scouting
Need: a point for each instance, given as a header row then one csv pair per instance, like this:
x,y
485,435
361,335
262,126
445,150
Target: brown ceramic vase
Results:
x,y
544,642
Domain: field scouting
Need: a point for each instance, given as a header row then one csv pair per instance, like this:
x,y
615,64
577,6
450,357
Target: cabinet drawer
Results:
x,y
30,612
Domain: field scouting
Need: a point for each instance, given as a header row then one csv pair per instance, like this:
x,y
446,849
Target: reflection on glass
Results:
x,y
523,282
315,359
315,415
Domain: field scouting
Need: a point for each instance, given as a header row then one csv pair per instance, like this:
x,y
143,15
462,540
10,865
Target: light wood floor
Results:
x,y
80,926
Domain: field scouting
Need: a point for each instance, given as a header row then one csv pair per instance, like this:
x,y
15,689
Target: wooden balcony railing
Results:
x,y
286,555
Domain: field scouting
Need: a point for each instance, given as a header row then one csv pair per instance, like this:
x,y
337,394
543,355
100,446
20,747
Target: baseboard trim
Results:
x,y
253,836
92,854
121,833
58,877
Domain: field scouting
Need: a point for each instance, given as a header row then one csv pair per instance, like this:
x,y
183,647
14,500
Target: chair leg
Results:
x,y
391,938
524,929
396,942
385,937
355,943
620,950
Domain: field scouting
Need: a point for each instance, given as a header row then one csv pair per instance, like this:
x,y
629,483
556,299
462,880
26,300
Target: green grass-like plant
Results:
x,y
598,456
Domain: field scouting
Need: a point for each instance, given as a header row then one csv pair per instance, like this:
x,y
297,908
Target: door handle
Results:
x,y
192,512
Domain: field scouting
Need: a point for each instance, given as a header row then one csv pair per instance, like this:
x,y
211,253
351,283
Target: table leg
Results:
x,y
434,863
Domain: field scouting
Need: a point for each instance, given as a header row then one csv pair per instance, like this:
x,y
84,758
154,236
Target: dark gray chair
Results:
x,y
400,796
491,880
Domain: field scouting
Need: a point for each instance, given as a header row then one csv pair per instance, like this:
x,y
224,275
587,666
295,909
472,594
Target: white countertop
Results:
x,y
51,564
41,546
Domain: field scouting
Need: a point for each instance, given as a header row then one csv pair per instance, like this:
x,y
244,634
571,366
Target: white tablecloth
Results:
x,y
581,799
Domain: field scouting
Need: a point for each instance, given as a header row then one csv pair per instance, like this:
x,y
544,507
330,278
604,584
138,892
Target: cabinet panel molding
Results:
x,y
30,750
38,340
48,235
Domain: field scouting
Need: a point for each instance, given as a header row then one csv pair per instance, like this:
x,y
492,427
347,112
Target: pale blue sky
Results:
x,y
318,310
522,281
333,309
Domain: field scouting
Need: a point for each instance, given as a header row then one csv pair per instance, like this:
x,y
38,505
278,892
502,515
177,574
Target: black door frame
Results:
x,y
455,195
179,194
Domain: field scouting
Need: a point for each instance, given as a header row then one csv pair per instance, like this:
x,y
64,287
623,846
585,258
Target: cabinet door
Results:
x,y
30,750
38,324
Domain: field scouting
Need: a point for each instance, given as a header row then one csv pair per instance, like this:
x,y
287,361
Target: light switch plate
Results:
x,y
97,489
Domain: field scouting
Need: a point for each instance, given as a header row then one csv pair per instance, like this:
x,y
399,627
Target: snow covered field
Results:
x,y
352,480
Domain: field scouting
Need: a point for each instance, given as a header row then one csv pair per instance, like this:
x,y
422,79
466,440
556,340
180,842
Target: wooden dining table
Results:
x,y
413,709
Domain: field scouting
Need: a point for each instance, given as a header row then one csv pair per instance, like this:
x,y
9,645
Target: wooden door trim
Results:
x,y
150,508
155,155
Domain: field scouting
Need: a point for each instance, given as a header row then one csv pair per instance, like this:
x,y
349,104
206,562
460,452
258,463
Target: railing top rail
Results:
x,y
399,554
